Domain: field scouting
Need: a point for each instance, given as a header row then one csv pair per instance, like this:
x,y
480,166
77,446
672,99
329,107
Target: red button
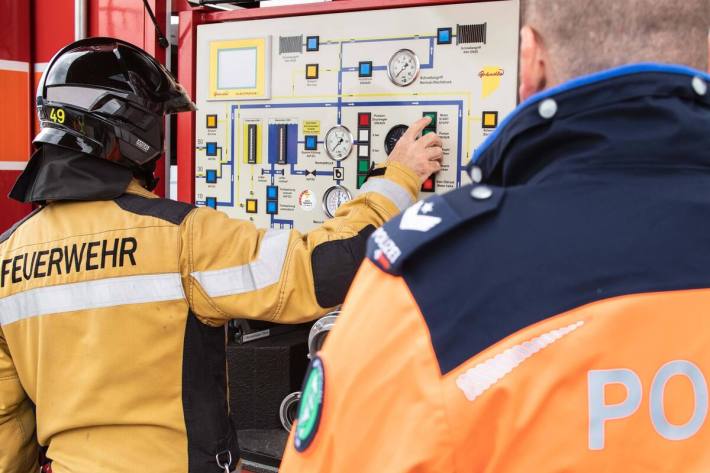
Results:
x,y
364,119
428,185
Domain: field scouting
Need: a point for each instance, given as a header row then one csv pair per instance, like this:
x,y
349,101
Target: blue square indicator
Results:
x,y
272,207
365,69
312,43
311,142
211,202
443,36
211,176
211,148
272,192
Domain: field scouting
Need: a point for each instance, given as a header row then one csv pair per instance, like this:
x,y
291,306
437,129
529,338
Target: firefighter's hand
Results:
x,y
422,155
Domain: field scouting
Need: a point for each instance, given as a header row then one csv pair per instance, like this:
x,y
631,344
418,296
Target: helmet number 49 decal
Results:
x,y
57,115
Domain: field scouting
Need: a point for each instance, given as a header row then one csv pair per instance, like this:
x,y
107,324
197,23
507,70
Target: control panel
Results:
x,y
293,112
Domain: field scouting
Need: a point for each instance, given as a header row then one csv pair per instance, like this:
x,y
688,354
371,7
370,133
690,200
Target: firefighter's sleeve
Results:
x,y
231,269
18,447
381,407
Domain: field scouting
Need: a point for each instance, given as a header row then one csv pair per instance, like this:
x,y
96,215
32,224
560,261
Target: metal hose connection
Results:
x,y
319,332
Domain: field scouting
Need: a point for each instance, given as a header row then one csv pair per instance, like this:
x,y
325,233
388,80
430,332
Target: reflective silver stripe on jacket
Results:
x,y
260,273
88,295
394,192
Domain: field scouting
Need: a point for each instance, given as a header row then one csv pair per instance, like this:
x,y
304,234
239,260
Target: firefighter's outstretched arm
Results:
x,y
231,269
379,389
18,445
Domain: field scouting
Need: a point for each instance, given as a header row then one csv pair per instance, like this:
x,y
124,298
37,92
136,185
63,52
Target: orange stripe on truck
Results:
x,y
14,115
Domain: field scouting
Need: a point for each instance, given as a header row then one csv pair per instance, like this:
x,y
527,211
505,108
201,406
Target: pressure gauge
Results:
x,y
334,198
403,67
393,137
338,143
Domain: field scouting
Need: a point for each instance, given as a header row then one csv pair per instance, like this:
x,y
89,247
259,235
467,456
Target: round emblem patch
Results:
x,y
311,405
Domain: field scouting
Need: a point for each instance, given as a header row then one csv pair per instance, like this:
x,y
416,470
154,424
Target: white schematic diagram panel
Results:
x,y
293,112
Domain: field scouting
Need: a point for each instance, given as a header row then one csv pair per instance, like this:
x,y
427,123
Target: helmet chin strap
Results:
x,y
145,174
150,181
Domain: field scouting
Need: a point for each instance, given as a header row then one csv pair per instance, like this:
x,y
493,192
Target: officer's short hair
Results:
x,y
585,36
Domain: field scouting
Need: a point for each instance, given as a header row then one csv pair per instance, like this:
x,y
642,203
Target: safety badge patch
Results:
x,y
311,406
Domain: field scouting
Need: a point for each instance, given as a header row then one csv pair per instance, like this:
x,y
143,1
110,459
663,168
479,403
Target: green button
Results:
x,y
363,165
431,115
361,181
426,131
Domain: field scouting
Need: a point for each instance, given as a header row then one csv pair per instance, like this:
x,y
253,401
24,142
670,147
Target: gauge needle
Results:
x,y
402,70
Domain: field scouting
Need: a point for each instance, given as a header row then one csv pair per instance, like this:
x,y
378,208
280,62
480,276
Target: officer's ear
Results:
x,y
534,63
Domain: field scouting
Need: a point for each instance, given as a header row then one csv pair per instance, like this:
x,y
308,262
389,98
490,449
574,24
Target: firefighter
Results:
x,y
113,302
553,315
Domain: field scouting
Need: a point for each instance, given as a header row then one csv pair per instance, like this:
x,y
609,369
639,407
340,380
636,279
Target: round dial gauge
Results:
x,y
403,67
334,198
393,137
338,143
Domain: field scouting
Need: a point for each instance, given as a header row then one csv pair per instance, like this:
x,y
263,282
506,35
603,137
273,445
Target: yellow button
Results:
x,y
251,206
211,121
312,71
490,119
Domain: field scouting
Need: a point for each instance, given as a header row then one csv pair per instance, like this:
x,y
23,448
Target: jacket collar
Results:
x,y
55,173
642,113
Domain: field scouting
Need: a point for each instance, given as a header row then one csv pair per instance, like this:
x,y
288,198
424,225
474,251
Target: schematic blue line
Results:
x,y
361,104
289,105
340,86
297,172
231,158
221,169
428,65
459,164
275,221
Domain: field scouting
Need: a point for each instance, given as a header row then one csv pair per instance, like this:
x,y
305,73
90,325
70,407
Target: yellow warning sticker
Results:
x,y
311,127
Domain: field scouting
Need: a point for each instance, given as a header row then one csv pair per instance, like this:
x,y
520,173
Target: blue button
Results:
x,y
443,36
211,148
211,202
312,43
272,192
365,69
211,176
271,207
311,142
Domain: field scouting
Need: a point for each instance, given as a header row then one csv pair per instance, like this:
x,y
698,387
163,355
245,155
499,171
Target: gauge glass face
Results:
x,y
338,143
393,137
334,198
403,68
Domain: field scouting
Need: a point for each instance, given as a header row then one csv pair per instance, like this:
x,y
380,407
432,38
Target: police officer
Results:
x,y
113,301
553,317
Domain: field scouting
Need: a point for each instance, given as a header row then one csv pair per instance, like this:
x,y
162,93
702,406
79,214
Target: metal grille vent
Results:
x,y
290,44
471,33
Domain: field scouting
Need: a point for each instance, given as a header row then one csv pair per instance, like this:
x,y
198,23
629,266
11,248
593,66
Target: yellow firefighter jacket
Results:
x,y
112,313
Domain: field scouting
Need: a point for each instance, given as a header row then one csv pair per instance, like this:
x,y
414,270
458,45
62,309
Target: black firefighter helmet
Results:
x,y
99,94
